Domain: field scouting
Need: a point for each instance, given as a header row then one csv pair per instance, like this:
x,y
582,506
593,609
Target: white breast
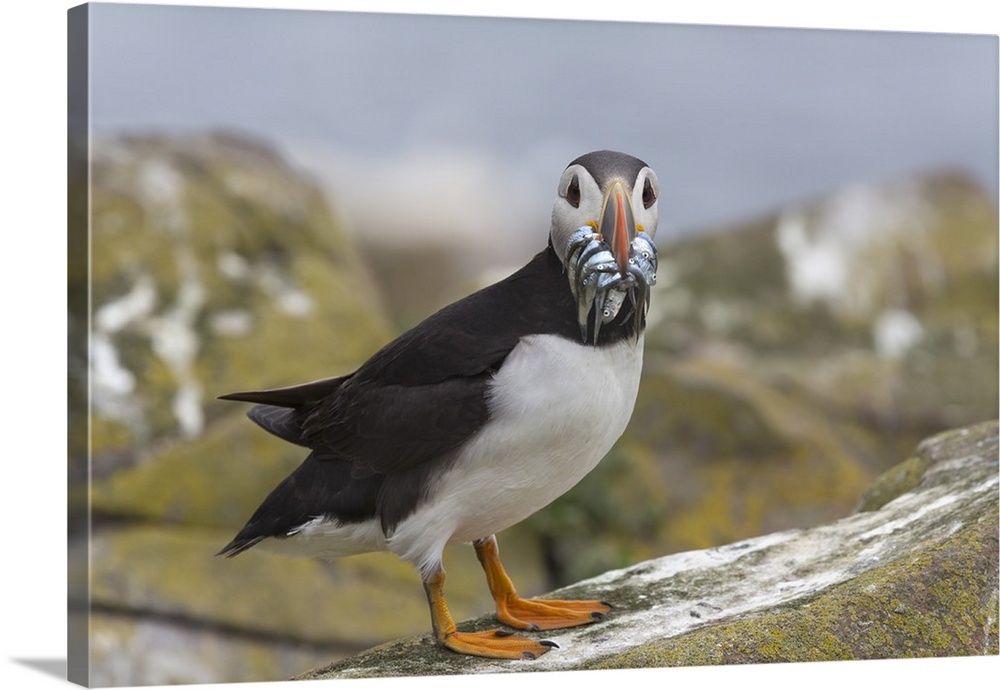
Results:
x,y
556,409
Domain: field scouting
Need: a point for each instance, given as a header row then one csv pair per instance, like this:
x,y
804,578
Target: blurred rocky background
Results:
x,y
790,360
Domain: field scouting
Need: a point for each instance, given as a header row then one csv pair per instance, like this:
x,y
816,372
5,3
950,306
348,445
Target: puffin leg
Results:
x,y
531,614
496,644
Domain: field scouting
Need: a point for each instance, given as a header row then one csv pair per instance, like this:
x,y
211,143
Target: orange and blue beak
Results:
x,y
618,223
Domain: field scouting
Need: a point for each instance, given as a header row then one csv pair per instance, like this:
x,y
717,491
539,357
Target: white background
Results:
x,y
32,270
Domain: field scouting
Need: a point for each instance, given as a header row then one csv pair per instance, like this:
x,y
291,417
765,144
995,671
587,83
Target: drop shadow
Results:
x,y
50,667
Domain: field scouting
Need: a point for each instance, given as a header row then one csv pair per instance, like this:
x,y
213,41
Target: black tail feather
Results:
x,y
292,396
283,422
238,545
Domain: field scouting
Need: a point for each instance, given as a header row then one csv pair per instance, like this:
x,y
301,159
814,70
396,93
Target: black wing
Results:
x,y
423,394
380,433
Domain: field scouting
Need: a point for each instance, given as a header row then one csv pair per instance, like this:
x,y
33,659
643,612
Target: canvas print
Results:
x,y
409,345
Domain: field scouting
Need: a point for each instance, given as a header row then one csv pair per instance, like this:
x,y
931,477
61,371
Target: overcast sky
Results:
x,y
736,121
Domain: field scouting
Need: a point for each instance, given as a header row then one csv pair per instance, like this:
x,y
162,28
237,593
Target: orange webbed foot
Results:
x,y
532,614
550,614
496,644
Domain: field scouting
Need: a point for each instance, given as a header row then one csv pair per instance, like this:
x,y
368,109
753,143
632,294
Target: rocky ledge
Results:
x,y
912,573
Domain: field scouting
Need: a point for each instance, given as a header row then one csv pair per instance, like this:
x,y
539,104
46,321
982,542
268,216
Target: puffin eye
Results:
x,y
573,192
648,194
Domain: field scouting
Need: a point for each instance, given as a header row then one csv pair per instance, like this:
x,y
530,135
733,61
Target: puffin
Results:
x,y
479,416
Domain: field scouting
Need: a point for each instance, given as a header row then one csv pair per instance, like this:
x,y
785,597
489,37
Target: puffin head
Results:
x,y
614,193
603,223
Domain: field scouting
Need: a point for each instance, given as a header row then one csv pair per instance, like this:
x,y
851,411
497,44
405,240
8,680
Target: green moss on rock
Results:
x,y
216,267
893,483
935,603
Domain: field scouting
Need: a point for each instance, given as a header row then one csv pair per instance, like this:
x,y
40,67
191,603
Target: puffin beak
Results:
x,y
618,223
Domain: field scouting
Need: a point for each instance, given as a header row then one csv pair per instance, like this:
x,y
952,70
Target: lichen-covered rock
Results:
x,y
215,266
915,577
127,650
878,302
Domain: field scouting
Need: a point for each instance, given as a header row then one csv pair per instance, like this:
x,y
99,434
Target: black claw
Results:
x,y
607,603
528,655
503,633
598,616
534,627
548,643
